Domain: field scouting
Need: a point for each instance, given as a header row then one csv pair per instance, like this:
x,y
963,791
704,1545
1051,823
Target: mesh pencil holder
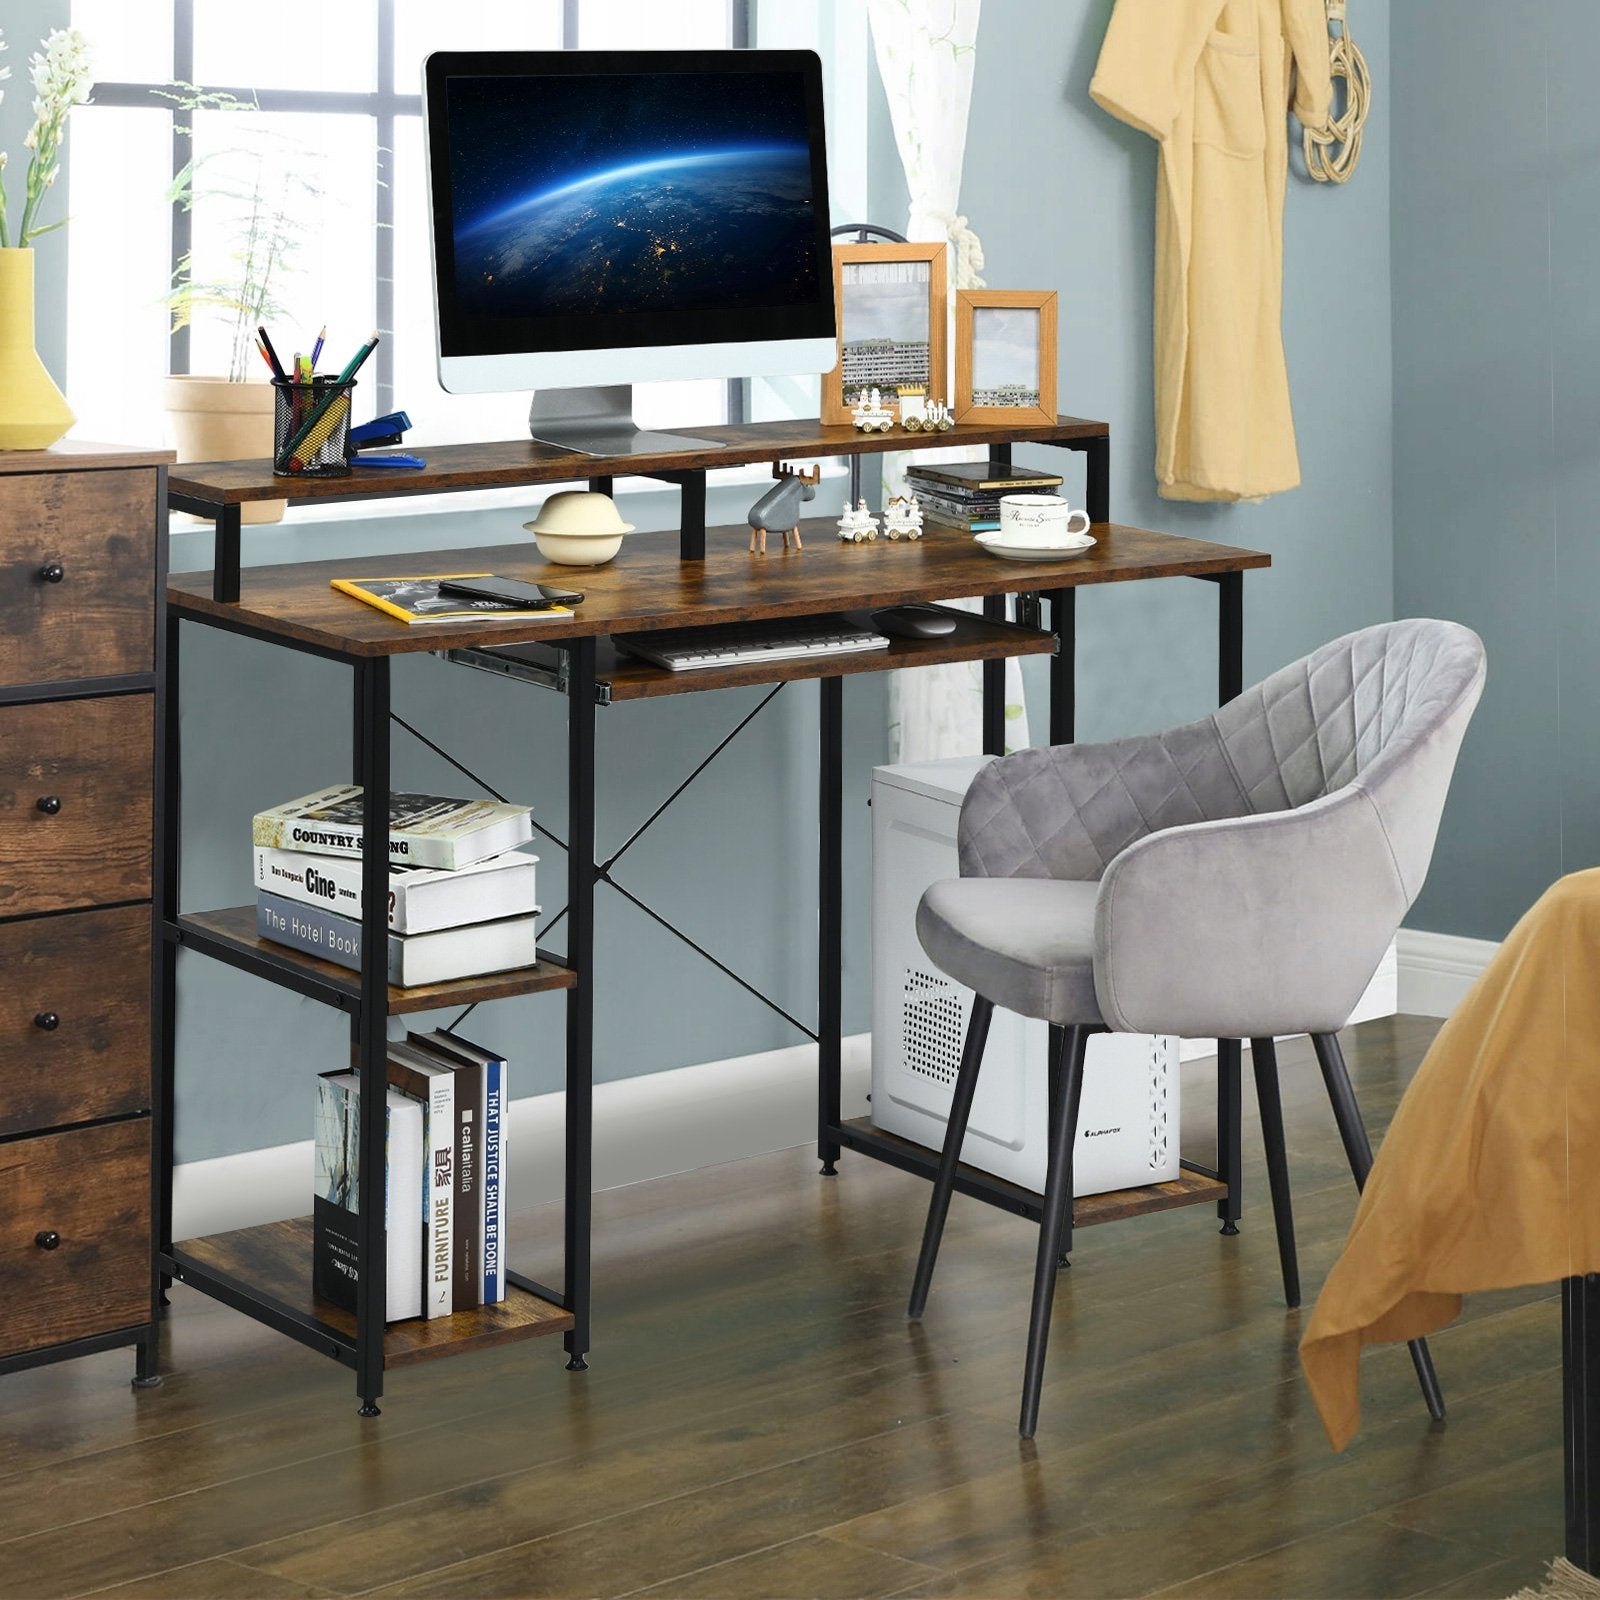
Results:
x,y
310,427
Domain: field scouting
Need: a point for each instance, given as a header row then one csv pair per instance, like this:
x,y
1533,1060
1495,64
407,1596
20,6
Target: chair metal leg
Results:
x,y
1054,1089
1264,1063
950,1158
1230,1134
1057,1203
1358,1150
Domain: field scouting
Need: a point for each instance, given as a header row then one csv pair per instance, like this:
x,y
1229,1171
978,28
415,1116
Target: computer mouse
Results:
x,y
914,622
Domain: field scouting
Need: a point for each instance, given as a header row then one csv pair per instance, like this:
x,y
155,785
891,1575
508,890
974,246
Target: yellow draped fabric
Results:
x,y
1489,1176
1210,80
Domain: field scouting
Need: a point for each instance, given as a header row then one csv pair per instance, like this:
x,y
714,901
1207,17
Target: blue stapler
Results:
x,y
380,431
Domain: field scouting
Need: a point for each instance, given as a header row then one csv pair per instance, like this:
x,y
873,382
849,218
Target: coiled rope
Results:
x,y
1332,152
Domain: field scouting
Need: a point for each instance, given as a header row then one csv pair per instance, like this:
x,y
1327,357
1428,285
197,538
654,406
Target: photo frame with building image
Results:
x,y
1005,355
892,316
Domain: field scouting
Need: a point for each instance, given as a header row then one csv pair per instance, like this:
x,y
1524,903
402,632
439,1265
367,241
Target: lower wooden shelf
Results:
x,y
272,1262
1187,1189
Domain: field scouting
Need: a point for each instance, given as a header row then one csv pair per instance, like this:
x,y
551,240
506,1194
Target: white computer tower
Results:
x,y
1128,1121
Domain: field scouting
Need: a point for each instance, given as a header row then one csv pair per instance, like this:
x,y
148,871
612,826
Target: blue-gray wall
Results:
x,y
1496,253
1063,197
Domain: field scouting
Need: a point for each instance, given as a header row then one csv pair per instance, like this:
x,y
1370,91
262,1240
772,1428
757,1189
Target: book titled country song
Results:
x,y
418,600
425,830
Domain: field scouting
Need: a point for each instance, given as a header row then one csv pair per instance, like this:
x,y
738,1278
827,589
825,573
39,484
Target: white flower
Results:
x,y
61,71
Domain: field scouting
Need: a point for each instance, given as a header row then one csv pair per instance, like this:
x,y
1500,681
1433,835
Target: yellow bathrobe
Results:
x,y
1210,80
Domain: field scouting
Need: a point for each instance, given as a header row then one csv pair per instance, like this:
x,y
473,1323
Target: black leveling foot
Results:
x,y
577,1364
828,1170
1229,1230
369,1409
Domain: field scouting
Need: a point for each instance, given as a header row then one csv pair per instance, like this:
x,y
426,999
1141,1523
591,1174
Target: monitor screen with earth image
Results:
x,y
602,218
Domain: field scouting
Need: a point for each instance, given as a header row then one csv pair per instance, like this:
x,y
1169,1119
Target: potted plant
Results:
x,y
257,187
33,411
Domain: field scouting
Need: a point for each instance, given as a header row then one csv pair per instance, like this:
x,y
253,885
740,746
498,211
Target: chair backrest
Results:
x,y
1387,706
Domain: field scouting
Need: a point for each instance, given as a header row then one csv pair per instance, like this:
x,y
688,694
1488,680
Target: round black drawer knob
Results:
x,y
47,1239
49,804
53,573
47,1020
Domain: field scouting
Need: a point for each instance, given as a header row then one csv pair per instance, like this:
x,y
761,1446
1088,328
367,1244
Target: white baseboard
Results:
x,y
645,1127
1437,969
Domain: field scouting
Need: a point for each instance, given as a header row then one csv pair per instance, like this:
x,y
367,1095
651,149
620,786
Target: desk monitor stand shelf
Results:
x,y
691,578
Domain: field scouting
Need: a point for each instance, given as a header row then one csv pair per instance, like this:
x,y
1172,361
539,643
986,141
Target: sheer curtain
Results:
x,y
925,51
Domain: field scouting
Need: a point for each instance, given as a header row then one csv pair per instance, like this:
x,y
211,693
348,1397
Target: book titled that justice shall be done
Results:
x,y
425,830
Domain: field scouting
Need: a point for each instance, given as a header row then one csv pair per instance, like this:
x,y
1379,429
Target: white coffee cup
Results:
x,y
1039,519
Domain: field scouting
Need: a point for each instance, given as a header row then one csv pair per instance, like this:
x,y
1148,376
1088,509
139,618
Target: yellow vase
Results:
x,y
33,412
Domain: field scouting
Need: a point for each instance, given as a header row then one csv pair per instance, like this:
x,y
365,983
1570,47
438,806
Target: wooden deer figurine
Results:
x,y
778,510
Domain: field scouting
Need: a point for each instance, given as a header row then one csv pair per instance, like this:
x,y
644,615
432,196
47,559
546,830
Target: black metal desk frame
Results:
x,y
364,997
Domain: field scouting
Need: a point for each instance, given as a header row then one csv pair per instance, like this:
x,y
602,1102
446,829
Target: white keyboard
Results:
x,y
774,639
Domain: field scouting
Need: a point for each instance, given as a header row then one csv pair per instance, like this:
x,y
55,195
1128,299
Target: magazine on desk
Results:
x,y
417,599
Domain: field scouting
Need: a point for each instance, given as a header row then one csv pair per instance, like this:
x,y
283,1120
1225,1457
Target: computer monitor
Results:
x,y
609,217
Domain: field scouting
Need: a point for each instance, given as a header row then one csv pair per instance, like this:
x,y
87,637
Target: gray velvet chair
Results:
x,y
1236,878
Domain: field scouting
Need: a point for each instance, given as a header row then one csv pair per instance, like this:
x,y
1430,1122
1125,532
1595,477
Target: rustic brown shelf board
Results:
x,y
237,926
650,586
511,462
275,1259
1187,1189
80,455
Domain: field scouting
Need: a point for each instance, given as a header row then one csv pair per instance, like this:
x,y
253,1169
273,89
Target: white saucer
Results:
x,y
992,542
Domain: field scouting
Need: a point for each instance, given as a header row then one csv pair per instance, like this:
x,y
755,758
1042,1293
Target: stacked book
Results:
x,y
444,1179
461,883
966,494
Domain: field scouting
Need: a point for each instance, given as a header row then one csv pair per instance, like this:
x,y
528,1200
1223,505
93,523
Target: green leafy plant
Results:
x,y
61,78
259,186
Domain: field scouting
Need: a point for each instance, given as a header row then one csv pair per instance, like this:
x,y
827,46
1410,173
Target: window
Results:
x,y
333,139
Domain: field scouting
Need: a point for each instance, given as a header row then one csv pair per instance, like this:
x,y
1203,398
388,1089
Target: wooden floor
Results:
x,y
760,1420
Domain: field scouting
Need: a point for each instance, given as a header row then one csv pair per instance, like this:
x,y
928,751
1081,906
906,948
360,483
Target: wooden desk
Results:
x,y
650,585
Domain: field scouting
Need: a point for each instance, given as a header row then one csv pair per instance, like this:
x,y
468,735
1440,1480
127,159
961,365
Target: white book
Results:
x,y
338,1199
436,1165
425,830
492,1140
421,899
413,958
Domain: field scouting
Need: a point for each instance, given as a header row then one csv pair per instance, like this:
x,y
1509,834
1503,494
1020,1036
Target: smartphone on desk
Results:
x,y
514,591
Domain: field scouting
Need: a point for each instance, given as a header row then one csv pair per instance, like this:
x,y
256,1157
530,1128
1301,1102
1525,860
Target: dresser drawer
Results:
x,y
98,530
74,1018
89,1192
75,803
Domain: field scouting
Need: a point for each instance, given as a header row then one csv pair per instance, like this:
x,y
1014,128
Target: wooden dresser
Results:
x,y
82,570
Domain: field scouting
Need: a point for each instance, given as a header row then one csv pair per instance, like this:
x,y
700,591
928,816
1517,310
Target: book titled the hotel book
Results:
x,y
413,958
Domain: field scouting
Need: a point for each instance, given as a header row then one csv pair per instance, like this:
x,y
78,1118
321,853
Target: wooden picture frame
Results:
x,y
988,368
925,264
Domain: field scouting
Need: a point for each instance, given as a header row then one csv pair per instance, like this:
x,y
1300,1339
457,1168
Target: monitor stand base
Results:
x,y
598,421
